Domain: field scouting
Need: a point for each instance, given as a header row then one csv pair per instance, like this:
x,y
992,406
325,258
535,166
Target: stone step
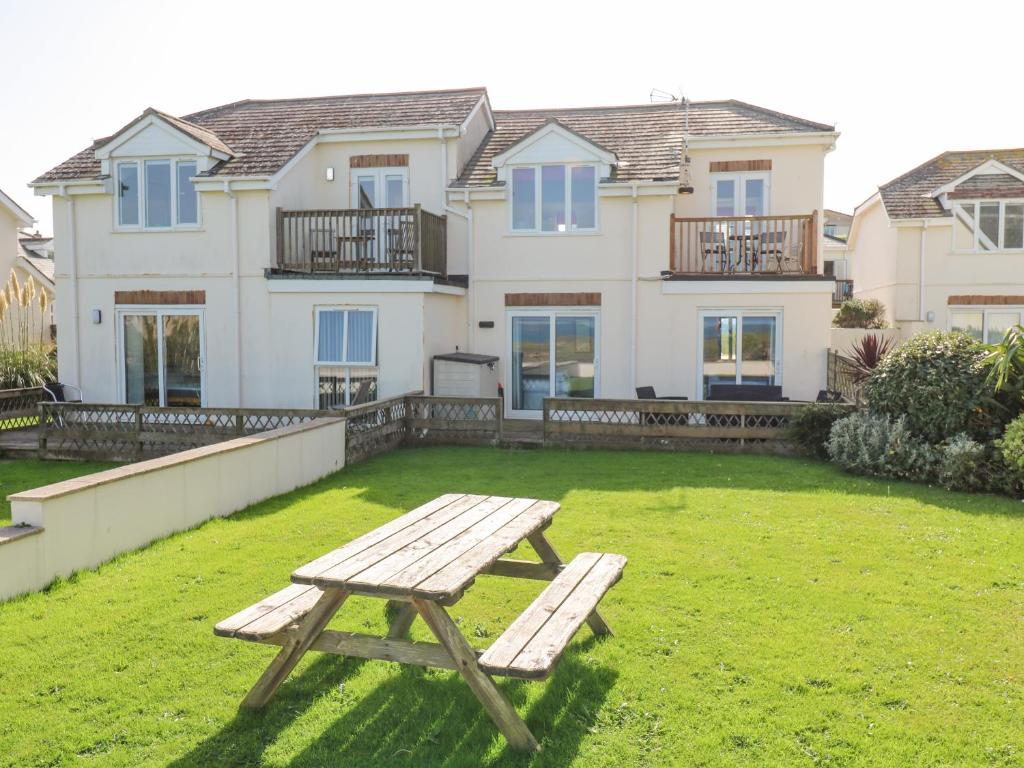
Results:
x,y
10,533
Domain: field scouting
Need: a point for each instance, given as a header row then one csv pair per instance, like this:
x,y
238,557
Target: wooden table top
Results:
x,y
433,552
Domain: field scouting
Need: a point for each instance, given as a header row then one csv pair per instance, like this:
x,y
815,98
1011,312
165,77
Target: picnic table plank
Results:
x,y
460,573
514,639
349,564
305,574
369,579
403,581
547,645
230,626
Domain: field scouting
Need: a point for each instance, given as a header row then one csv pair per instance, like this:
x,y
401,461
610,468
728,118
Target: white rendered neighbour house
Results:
x,y
25,255
315,252
942,246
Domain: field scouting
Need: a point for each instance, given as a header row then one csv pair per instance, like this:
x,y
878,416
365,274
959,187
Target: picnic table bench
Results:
x,y
423,562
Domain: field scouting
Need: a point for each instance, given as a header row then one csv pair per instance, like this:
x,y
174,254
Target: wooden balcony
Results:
x,y
362,241
744,246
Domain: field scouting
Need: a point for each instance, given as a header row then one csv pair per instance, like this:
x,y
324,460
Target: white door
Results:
x,y
380,188
551,354
161,357
740,194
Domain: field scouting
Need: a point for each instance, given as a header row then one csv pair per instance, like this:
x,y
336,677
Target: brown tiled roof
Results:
x,y
262,135
909,196
647,139
988,185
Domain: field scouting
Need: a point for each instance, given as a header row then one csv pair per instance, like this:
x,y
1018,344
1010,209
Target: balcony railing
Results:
x,y
842,291
362,241
744,245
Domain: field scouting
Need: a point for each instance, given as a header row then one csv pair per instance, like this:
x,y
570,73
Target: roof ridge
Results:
x,y
786,115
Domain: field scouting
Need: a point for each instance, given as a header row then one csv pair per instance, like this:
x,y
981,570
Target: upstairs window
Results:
x,y
157,194
989,225
554,199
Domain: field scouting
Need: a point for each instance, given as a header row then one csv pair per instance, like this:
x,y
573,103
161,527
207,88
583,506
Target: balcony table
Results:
x,y
424,561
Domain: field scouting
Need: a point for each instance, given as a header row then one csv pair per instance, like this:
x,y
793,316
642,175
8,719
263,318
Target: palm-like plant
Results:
x,y
1005,360
866,354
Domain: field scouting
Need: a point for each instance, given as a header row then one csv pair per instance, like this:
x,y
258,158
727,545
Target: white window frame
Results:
x,y
551,314
160,311
740,179
977,226
344,335
140,164
380,176
985,310
538,203
739,313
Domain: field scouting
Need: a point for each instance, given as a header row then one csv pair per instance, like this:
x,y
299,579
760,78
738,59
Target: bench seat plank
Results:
x,y
270,614
535,641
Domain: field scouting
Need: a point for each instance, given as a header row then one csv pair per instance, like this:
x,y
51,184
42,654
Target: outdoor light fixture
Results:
x,y
330,173
97,317
930,316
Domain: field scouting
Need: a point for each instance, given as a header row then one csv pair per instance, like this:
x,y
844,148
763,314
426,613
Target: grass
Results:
x,y
19,475
774,612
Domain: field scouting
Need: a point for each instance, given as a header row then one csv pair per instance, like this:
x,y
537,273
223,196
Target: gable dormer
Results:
x,y
987,204
553,174
153,162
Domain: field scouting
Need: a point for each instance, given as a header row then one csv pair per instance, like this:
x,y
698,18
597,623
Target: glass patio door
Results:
x,y
162,358
553,354
740,347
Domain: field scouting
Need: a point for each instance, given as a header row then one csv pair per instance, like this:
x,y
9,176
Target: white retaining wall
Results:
x,y
88,520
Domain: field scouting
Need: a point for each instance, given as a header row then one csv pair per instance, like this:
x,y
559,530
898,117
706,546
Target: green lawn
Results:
x,y
774,612
19,475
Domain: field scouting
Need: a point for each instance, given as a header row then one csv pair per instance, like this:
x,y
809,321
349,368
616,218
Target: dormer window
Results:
x,y
157,194
554,199
989,225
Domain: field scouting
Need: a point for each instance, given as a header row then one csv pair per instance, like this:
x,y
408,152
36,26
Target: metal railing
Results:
x,y
841,291
743,245
362,241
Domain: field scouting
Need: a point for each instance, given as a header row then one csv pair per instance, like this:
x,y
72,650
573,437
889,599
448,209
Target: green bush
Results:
x,y
967,465
938,381
809,429
860,313
28,367
1012,447
872,444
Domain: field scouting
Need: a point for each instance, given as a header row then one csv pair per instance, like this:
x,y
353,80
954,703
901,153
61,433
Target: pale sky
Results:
x,y
902,81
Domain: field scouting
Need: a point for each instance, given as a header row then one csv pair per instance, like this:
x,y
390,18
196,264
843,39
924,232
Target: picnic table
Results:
x,y
424,561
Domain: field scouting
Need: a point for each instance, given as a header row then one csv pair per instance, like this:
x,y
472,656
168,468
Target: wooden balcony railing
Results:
x,y
362,241
744,245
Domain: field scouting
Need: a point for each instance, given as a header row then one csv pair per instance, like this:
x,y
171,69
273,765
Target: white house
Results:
x,y
942,246
310,252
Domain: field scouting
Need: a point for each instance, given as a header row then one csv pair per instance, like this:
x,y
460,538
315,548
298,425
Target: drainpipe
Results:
x,y
236,254
920,282
73,273
634,267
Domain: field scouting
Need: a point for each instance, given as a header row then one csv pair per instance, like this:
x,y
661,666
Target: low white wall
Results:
x,y
88,520
843,339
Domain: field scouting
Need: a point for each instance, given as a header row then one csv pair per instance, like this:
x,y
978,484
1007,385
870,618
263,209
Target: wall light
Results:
x,y
330,173
97,317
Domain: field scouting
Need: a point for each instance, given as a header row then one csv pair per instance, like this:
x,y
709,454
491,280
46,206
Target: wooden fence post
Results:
x,y
138,432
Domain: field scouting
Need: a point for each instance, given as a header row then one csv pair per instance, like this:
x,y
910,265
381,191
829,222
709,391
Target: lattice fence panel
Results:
x,y
18,407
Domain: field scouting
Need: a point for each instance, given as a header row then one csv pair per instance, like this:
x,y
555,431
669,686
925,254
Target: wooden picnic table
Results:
x,y
424,561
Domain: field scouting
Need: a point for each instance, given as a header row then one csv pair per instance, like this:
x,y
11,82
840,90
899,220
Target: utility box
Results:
x,y
464,374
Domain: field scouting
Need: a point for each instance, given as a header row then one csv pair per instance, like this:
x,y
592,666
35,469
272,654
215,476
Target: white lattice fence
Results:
x,y
455,420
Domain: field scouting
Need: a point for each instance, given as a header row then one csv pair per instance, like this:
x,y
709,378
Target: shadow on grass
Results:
x,y
414,719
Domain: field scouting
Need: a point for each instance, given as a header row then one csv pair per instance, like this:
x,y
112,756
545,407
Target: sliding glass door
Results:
x,y
553,354
740,347
161,357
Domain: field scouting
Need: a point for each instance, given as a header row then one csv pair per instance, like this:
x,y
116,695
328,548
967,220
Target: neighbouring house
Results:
x,y
321,251
836,262
942,246
27,255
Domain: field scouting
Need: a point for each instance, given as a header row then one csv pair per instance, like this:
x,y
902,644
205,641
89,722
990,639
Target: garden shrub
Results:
x,y
860,313
967,465
938,381
29,367
809,429
873,444
1011,447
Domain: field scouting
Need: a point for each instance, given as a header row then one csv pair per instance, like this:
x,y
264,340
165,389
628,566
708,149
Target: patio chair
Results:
x,y
62,393
829,396
647,393
714,245
772,245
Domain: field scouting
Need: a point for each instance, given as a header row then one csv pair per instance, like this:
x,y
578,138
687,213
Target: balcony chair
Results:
x,y
401,253
61,393
772,245
714,245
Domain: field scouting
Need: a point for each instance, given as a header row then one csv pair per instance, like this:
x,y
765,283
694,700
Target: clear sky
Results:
x,y
902,81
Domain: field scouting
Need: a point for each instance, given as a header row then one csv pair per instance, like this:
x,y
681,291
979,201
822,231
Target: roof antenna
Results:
x,y
658,96
685,182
